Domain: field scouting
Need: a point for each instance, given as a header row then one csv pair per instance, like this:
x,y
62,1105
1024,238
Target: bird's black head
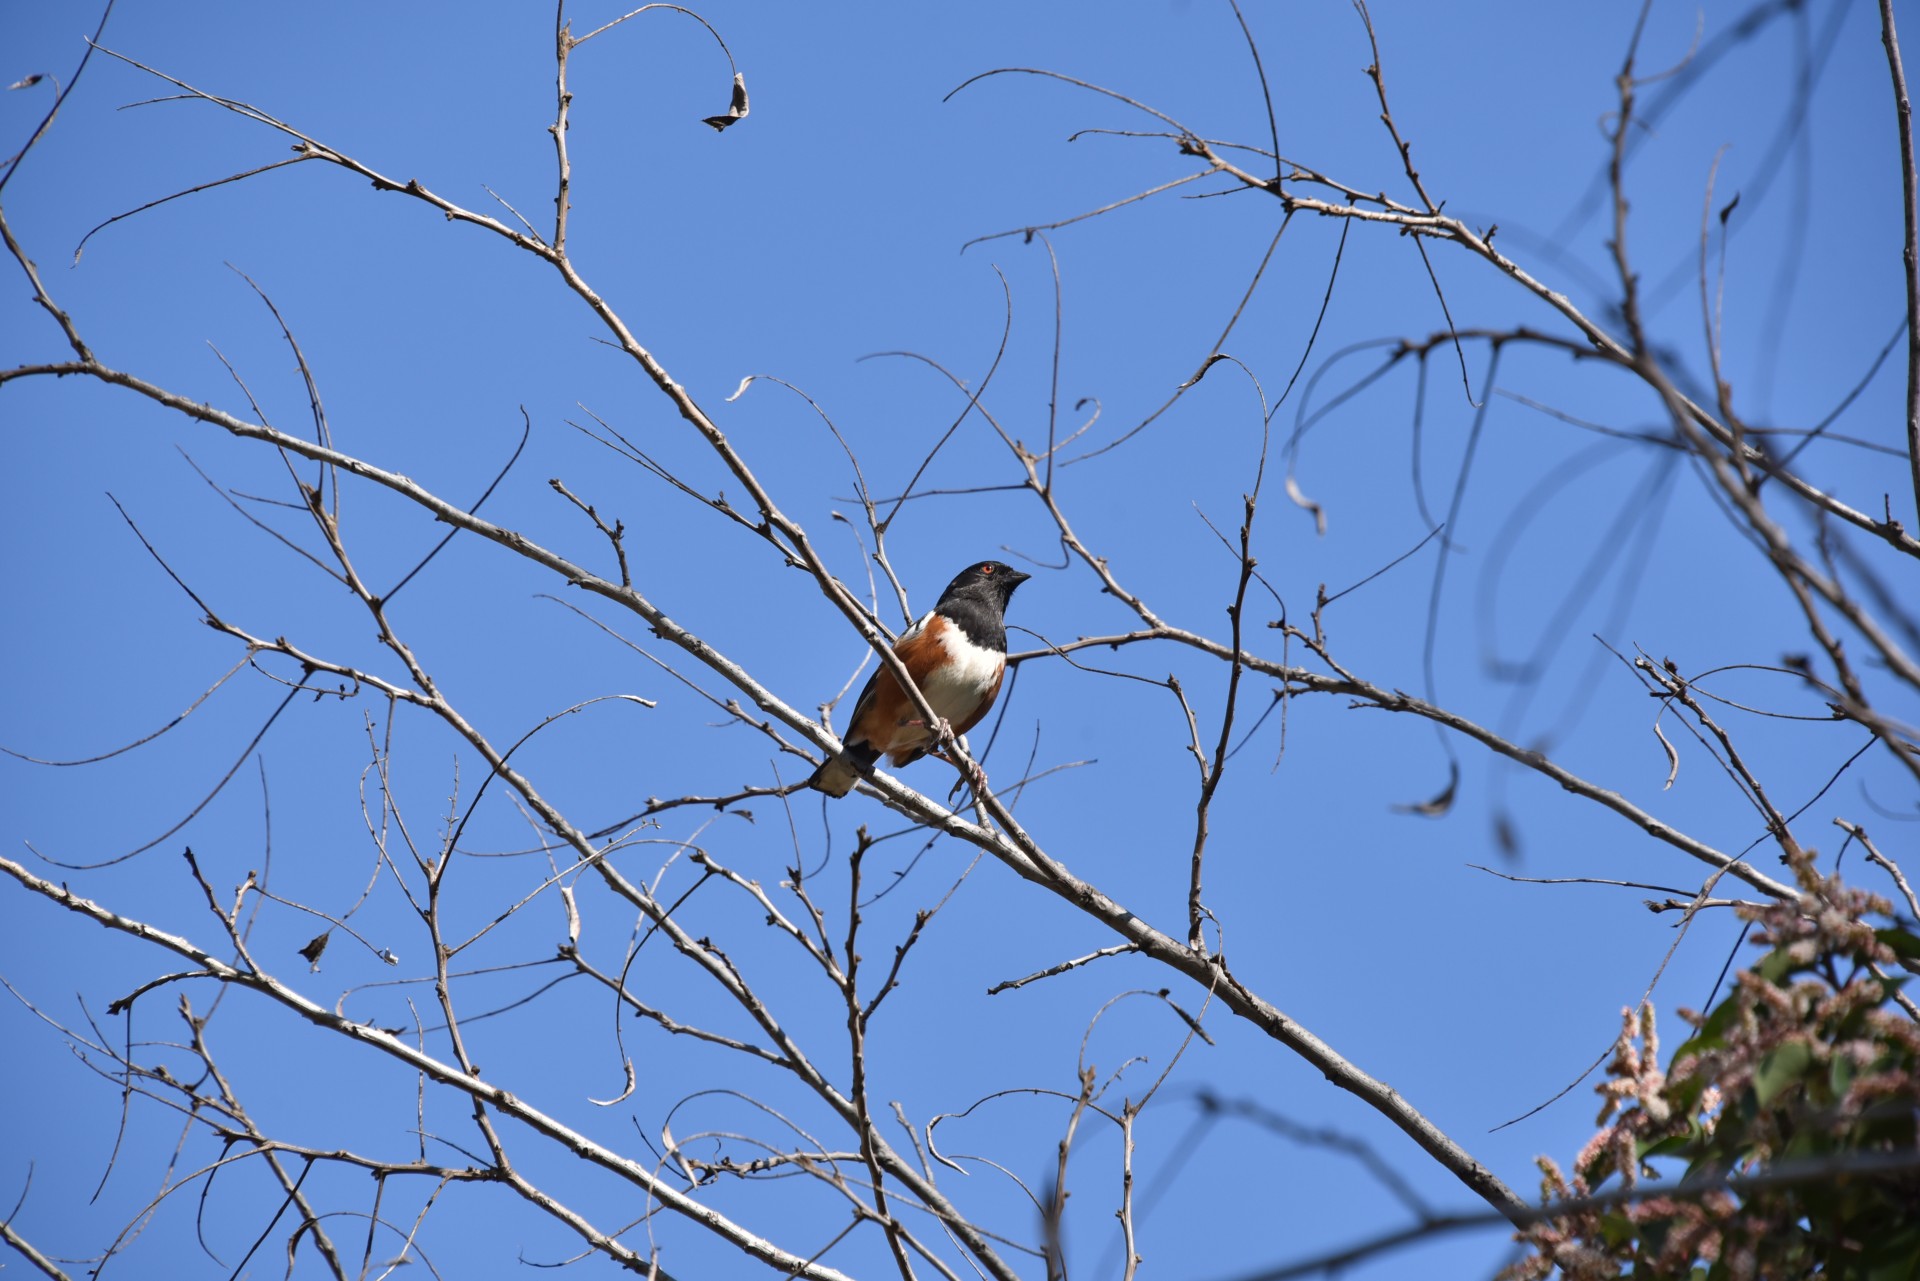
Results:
x,y
987,581
977,601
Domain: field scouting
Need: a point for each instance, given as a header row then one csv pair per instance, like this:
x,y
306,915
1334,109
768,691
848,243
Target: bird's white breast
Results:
x,y
955,687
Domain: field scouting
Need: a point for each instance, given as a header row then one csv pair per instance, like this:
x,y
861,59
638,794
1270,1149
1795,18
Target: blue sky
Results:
x,y
825,228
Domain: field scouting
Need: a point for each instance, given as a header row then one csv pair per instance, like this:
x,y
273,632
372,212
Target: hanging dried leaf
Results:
x,y
1440,804
1198,374
1506,837
738,110
1673,757
313,950
1301,500
622,1096
673,1153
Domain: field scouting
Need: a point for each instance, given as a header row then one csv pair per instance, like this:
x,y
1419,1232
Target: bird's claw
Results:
x,y
943,734
942,729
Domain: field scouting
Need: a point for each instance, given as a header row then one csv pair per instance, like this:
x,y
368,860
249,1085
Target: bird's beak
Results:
x,y
1015,578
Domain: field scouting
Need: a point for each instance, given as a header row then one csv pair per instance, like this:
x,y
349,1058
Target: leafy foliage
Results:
x,y
1795,1108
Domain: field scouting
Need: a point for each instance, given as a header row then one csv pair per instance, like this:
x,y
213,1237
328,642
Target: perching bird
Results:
x,y
956,655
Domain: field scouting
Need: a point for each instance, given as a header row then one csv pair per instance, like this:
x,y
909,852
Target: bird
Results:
x,y
956,653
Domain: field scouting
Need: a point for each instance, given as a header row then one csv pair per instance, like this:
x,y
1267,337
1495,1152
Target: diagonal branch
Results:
x,y
481,1091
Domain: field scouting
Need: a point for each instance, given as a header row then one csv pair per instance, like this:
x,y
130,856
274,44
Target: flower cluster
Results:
x,y
1794,1110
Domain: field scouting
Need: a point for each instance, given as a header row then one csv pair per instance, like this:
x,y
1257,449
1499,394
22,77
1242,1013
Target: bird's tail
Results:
x,y
838,774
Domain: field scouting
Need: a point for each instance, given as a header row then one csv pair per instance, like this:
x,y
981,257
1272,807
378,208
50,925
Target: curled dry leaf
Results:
x,y
1301,500
672,1150
1198,374
1673,757
315,947
1440,804
737,111
624,1093
1506,837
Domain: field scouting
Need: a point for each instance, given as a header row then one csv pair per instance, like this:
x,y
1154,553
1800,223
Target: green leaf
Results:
x,y
1722,1018
1617,1229
1669,1146
1685,1094
1902,943
1773,967
1840,1074
1893,1256
1779,1069
1654,1234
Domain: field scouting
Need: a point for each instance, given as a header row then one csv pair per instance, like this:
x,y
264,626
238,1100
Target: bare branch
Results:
x,y
1910,250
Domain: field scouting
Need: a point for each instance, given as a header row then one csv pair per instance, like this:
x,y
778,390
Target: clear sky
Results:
x,y
832,224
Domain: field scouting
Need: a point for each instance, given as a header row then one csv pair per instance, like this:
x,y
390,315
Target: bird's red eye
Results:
x,y
987,569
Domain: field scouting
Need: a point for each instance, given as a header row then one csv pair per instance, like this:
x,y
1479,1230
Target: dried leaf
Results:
x,y
673,1151
1673,757
1506,837
1198,374
313,950
1440,804
1189,1020
1301,500
29,81
738,110
622,1096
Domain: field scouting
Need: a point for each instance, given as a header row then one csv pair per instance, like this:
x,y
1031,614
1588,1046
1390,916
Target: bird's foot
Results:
x,y
942,729
971,772
943,734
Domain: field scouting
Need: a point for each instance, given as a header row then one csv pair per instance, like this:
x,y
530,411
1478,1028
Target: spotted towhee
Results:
x,y
956,655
